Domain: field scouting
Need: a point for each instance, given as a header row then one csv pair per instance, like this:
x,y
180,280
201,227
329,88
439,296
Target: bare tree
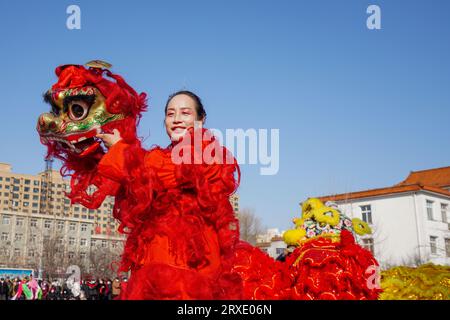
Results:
x,y
6,258
102,261
53,254
250,225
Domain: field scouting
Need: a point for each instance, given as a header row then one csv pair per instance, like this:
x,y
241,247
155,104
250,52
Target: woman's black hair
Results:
x,y
201,113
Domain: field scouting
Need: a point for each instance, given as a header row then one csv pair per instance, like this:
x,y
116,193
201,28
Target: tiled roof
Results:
x,y
429,180
438,177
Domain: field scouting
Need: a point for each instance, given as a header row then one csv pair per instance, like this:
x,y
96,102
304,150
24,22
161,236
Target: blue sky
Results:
x,y
356,108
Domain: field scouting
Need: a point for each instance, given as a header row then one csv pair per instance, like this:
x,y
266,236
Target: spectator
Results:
x,y
92,290
4,289
115,288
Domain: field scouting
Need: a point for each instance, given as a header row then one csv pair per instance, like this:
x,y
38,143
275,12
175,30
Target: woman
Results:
x,y
181,245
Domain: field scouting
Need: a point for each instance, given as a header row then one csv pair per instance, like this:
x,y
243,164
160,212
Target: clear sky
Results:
x,y
356,108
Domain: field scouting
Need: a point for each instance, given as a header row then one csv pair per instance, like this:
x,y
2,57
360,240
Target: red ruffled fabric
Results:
x,y
318,270
181,244
326,270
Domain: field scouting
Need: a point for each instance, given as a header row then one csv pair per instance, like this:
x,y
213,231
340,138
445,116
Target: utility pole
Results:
x,y
46,197
46,187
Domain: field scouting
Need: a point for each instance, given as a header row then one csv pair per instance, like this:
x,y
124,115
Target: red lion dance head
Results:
x,y
85,101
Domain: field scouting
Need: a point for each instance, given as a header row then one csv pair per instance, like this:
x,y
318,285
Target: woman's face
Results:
x,y
180,116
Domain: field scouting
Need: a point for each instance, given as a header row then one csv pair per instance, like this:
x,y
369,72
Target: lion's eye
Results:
x,y
55,110
78,110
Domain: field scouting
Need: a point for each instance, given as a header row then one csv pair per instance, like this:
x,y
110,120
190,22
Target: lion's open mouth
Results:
x,y
79,143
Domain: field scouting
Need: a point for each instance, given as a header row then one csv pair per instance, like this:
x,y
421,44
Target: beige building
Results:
x,y
32,216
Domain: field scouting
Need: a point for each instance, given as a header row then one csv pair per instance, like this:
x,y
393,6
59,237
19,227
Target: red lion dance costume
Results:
x,y
182,235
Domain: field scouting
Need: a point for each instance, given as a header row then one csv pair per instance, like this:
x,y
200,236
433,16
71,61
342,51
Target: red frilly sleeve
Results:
x,y
125,164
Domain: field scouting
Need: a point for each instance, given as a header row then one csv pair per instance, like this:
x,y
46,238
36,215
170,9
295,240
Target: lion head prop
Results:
x,y
87,100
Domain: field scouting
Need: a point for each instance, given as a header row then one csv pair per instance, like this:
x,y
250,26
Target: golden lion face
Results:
x,y
75,118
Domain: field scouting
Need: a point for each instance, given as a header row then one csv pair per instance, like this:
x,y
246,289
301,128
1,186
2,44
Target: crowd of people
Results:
x,y
29,288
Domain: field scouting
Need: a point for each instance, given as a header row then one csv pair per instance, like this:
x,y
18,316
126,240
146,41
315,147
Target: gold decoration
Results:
x,y
99,64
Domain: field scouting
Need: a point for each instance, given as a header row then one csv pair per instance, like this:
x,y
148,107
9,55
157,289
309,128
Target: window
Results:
x,y
71,241
83,255
36,183
36,190
6,219
33,238
26,204
35,198
33,223
430,210
433,246
5,236
71,255
444,208
35,204
103,243
83,227
368,244
47,224
16,252
83,242
60,225
27,181
17,181
92,243
18,237
366,212
31,253
447,248
279,251
26,196
60,240
15,188
15,196
77,209
114,244
72,226
19,222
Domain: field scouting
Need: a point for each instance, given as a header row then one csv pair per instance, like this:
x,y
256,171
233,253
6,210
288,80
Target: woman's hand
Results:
x,y
110,139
